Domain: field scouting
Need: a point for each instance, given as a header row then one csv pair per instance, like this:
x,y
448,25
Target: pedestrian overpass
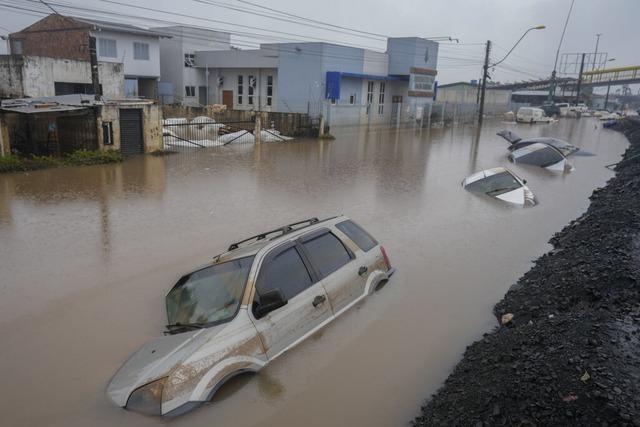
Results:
x,y
612,76
597,78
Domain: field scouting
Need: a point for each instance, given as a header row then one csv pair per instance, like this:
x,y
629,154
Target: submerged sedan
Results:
x,y
542,155
256,301
501,184
564,147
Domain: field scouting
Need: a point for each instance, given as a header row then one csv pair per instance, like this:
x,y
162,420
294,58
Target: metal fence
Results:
x,y
203,133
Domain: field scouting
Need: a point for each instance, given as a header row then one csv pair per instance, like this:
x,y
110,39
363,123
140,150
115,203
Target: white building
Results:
x,y
136,48
181,81
68,38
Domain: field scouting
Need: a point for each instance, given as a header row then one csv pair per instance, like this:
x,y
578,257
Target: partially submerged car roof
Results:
x,y
252,245
484,174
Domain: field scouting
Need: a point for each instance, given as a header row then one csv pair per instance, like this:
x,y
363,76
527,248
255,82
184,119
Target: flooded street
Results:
x,y
88,254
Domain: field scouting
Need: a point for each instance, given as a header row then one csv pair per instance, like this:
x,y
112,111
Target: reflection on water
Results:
x,y
88,254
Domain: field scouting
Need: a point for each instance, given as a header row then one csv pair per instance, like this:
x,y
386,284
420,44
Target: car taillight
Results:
x,y
386,257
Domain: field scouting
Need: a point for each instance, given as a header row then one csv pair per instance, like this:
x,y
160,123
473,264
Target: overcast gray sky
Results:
x,y
471,21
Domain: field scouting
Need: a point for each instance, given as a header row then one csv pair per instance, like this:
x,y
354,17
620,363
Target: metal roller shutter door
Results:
x,y
131,131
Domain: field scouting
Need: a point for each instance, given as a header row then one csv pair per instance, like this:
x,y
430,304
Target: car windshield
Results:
x,y
210,295
495,185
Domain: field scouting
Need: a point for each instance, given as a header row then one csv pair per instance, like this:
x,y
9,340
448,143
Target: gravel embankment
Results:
x,y
571,353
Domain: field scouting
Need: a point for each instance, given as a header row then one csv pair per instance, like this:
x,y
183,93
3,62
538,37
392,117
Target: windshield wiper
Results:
x,y
182,326
498,190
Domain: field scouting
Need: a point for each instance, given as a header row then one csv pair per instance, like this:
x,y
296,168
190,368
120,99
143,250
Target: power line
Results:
x,y
73,7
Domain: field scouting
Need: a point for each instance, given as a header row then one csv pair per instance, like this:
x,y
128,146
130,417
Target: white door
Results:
x,y
307,302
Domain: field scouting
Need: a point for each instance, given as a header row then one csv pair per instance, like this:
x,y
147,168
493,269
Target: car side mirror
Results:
x,y
524,181
268,302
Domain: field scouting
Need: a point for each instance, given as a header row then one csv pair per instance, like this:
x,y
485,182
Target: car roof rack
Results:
x,y
286,229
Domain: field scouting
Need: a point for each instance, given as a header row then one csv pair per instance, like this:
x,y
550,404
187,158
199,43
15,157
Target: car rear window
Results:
x,y
286,272
358,235
326,253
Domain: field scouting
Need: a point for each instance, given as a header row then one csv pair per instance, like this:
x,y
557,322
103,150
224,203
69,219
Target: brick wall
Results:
x,y
55,36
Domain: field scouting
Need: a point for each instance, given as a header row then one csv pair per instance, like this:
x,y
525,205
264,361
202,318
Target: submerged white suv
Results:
x,y
262,297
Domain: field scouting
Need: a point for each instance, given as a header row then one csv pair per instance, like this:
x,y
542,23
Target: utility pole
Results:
x,y
606,99
95,77
595,55
552,83
579,86
485,75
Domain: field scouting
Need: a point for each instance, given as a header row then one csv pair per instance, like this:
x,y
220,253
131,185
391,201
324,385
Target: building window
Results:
x,y
369,95
190,91
240,87
333,101
252,85
189,60
107,133
269,90
16,47
107,48
141,51
381,98
352,99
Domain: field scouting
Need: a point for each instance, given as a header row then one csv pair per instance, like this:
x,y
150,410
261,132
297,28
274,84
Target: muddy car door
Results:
x,y
307,307
343,278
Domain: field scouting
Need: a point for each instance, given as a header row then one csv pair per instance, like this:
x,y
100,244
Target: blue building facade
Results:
x,y
347,85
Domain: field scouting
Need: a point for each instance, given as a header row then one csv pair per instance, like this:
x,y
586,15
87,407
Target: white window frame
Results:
x,y
190,91
250,89
269,90
383,86
352,99
141,51
370,91
240,82
105,47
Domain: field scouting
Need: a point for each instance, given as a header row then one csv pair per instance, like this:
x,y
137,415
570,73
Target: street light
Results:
x,y
486,68
539,27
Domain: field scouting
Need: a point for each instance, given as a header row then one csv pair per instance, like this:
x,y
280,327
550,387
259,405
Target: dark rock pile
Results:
x,y
570,355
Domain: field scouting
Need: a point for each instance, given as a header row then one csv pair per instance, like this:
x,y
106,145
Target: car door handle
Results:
x,y
362,270
319,300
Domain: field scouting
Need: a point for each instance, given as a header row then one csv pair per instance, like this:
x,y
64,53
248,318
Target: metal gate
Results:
x,y
131,131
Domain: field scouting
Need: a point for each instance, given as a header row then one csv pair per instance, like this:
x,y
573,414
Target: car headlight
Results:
x,y
148,398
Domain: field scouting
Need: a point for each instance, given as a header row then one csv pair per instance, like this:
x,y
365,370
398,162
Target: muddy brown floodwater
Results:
x,y
87,255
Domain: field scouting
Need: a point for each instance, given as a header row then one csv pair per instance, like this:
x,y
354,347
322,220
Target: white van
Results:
x,y
532,115
564,108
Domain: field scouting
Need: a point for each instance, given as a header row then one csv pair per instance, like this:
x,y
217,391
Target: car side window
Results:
x,y
326,252
358,235
287,272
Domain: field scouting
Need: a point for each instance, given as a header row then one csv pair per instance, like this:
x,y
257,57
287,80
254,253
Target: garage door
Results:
x,y
131,131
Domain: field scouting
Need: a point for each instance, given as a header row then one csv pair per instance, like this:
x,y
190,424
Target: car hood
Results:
x,y
155,360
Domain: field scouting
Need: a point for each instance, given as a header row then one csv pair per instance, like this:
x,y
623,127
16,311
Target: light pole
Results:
x,y
486,67
552,81
595,55
606,99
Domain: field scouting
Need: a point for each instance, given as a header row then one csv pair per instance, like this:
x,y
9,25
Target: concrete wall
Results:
x,y
407,52
35,76
151,125
466,94
124,46
5,145
11,78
